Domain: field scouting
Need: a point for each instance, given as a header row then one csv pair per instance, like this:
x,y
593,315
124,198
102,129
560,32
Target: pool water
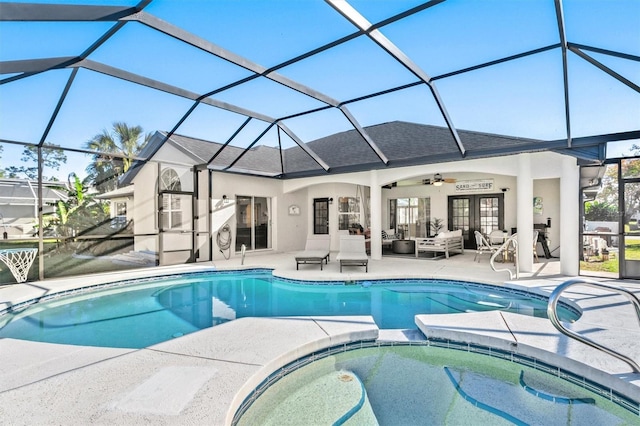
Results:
x,y
146,313
427,385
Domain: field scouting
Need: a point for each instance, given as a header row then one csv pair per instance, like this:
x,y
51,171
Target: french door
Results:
x,y
470,213
320,216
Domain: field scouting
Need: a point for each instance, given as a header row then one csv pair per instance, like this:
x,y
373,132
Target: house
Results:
x,y
19,204
189,189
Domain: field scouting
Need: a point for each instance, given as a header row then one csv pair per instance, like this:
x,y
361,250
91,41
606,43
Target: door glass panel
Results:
x,y
412,216
602,244
489,214
243,222
460,215
630,168
632,229
632,208
321,216
261,223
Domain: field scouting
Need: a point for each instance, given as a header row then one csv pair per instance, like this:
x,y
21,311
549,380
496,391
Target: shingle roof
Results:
x,y
24,192
401,142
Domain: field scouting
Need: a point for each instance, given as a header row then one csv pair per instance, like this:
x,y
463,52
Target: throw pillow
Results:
x,y
384,235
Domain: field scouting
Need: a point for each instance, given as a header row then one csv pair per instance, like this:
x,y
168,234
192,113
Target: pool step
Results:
x,y
336,398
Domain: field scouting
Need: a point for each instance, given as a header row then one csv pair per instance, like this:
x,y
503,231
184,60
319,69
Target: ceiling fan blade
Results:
x,y
449,180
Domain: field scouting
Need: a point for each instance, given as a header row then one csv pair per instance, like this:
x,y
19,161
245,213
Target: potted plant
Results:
x,y
436,226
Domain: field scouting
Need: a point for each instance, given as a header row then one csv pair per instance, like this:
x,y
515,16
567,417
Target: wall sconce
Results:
x,y
330,200
225,200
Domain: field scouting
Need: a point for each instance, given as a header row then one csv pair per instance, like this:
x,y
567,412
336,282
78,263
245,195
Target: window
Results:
x,y
348,213
120,209
170,181
171,211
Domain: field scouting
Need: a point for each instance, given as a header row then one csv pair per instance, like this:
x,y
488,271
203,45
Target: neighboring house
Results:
x,y
190,188
120,205
19,204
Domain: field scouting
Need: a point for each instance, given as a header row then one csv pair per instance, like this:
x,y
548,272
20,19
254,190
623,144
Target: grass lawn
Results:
x,y
632,248
610,265
631,252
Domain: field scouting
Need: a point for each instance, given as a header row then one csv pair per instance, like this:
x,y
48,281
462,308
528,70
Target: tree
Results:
x,y
1,169
601,211
52,158
79,213
105,169
606,202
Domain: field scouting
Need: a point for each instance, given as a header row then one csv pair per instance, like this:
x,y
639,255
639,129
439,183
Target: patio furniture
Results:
x,y
388,236
482,246
444,242
19,261
316,250
353,252
497,237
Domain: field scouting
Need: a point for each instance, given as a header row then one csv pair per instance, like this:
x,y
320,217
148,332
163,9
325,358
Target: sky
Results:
x,y
522,98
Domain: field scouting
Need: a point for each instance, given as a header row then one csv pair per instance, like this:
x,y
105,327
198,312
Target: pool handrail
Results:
x,y
553,315
512,240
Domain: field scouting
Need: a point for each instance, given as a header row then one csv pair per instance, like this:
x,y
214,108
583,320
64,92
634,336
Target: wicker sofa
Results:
x,y
444,242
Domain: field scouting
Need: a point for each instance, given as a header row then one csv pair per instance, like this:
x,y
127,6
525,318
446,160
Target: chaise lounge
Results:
x,y
444,242
316,250
353,252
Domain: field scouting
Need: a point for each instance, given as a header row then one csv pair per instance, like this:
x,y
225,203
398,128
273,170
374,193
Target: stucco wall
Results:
x,y
439,196
144,208
289,231
549,191
232,185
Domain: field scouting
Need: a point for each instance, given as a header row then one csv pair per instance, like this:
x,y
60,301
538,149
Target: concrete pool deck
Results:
x,y
202,378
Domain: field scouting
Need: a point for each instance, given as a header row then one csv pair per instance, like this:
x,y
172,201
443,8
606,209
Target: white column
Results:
x,y
525,213
569,217
375,191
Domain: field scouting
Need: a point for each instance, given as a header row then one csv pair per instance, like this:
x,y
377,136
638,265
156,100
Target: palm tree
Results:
x,y
122,139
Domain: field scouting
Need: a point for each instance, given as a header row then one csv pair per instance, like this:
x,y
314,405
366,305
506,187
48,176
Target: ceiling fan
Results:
x,y
438,180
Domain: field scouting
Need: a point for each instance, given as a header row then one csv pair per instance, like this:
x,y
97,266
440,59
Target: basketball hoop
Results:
x,y
19,261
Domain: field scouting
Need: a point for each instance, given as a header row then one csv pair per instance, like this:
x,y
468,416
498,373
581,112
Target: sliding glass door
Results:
x,y
253,223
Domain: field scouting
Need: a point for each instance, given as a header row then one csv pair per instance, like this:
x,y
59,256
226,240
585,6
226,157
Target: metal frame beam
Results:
x,y
214,156
353,16
250,146
604,68
605,51
304,147
167,88
364,134
63,12
63,96
565,68
213,49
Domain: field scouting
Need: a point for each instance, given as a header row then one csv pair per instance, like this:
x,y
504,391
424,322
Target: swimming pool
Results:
x,y
142,313
428,384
